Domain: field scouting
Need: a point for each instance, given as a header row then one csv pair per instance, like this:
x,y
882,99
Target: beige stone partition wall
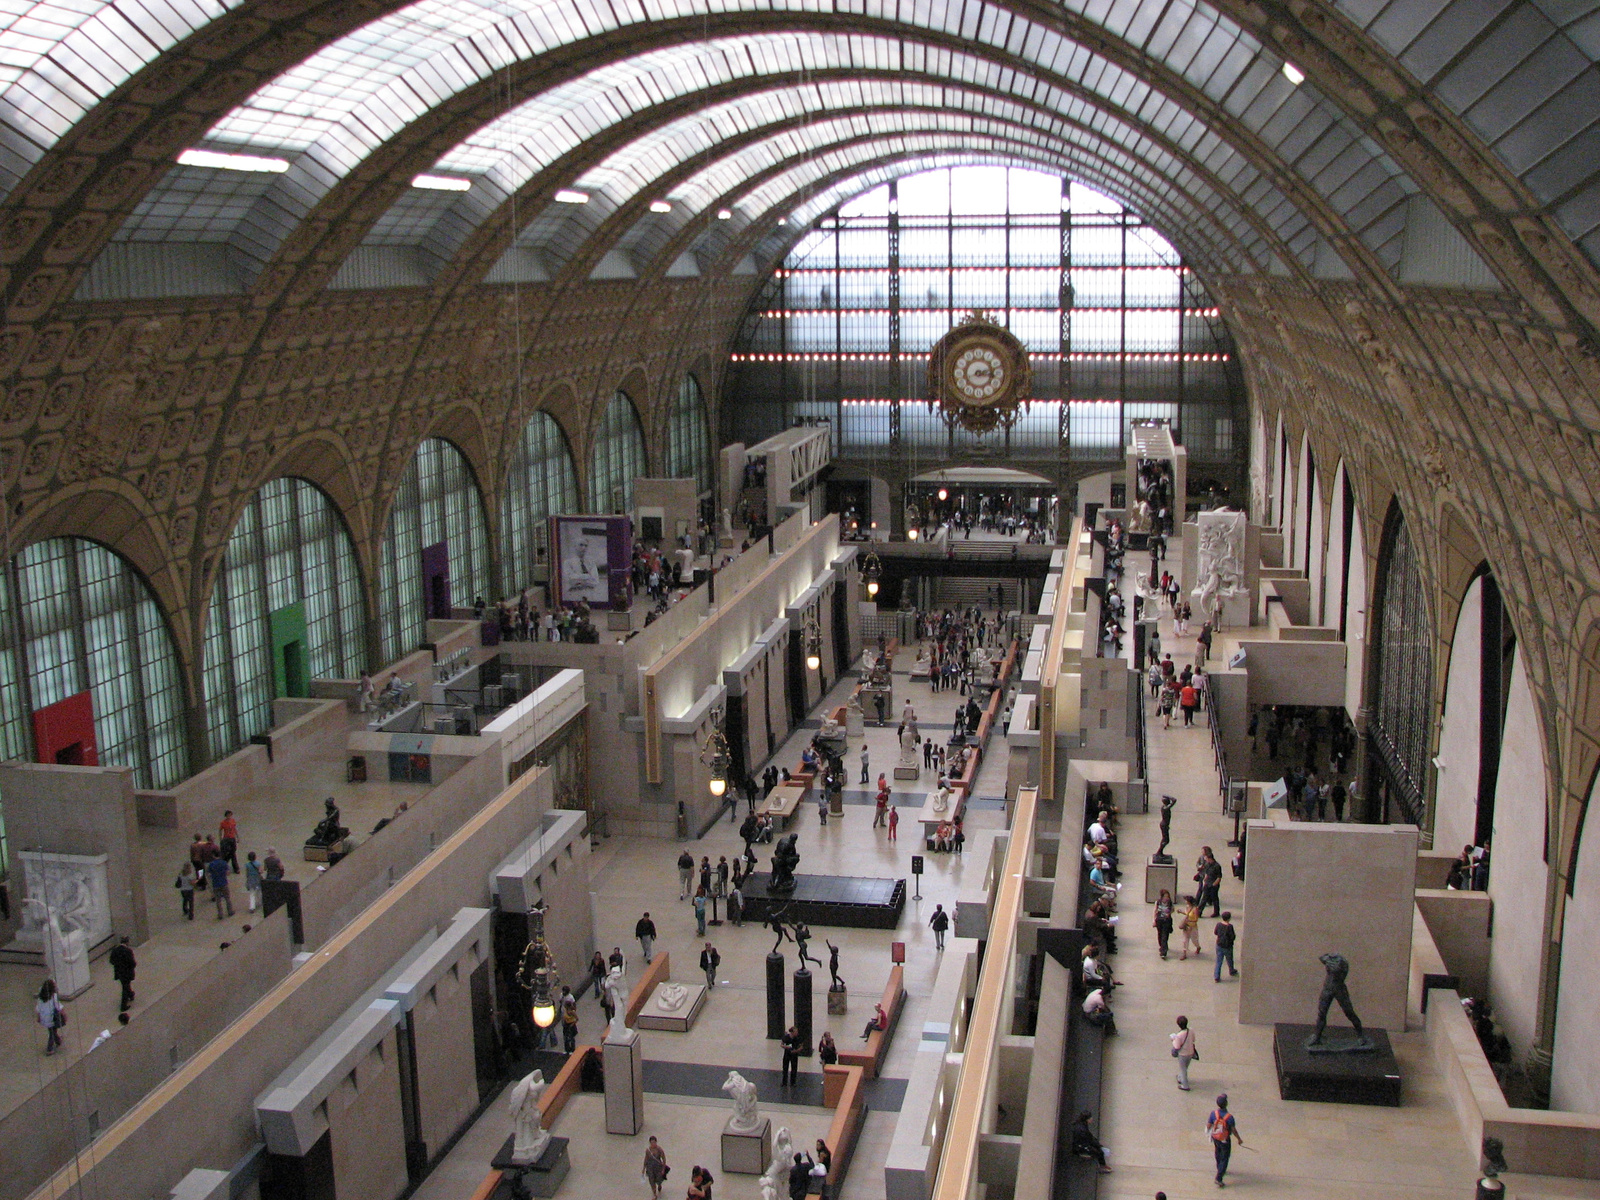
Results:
x,y
1312,889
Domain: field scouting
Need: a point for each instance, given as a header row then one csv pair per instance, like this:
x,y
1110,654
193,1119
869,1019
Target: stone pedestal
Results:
x,y
775,1023
836,804
747,1152
623,1058
855,724
901,771
317,852
1159,875
543,1177
838,1002
803,1010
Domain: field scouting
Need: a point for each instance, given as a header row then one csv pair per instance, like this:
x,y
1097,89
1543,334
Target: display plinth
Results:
x,y
841,901
1158,875
776,1025
911,772
318,852
1362,1077
623,1058
542,1178
838,1002
679,1019
747,1152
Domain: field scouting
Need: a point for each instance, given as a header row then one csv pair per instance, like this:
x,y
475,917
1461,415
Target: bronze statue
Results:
x,y
1167,805
328,830
1334,989
775,923
785,858
802,937
833,967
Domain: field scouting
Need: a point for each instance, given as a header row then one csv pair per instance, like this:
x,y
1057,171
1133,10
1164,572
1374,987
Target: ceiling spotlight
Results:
x,y
568,196
724,214
660,206
440,183
1293,74
783,220
232,162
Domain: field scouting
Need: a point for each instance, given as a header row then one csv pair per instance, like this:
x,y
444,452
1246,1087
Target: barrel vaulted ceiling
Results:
x,y
1476,123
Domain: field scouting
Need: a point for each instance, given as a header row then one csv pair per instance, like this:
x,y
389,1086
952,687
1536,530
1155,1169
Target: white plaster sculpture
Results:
x,y
1221,562
617,993
1139,519
727,526
746,1115
908,746
529,1137
941,798
830,729
74,887
908,717
854,718
775,1183
670,996
66,947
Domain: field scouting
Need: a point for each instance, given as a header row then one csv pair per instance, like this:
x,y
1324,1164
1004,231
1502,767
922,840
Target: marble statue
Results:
x,y
908,718
727,526
855,721
671,996
74,887
775,1183
831,730
1221,563
785,858
66,946
908,746
617,993
529,1137
746,1115
1335,991
941,798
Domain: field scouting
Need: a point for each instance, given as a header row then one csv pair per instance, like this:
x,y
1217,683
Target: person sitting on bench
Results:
x,y
1085,1144
1097,1011
879,1021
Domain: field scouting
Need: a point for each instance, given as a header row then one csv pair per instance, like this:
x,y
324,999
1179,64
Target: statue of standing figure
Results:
x,y
1335,991
775,1183
529,1137
833,967
1167,805
616,988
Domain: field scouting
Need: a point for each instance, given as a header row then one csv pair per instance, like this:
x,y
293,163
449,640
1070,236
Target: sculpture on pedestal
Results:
x,y
908,745
529,1137
1221,562
1167,805
670,997
775,923
1334,990
941,798
785,858
328,830
802,937
616,988
833,968
746,1116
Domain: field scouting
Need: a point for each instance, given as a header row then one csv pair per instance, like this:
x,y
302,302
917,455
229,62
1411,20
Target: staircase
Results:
x,y
964,593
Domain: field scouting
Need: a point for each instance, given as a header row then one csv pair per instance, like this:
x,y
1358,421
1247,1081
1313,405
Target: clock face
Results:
x,y
978,374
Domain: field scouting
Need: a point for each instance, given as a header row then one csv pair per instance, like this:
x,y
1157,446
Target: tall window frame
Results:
x,y
80,617
689,436
437,500
1401,712
618,456
289,546
541,481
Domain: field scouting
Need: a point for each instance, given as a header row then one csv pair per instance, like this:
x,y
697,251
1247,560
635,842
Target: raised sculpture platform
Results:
x,y
842,901
1362,1077
542,1178
665,1009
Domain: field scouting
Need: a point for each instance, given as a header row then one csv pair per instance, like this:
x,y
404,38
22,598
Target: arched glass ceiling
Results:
x,y
339,106
561,228
1522,74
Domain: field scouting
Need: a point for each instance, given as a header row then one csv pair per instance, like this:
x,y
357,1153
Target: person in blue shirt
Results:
x,y
217,872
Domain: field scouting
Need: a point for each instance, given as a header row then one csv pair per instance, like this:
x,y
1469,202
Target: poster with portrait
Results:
x,y
592,558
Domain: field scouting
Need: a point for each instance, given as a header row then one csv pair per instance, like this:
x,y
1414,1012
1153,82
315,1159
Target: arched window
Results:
x,y
1400,717
286,609
618,457
79,618
540,482
689,436
435,548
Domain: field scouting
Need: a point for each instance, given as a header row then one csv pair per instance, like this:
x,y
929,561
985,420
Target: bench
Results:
x,y
567,1081
842,1089
870,1057
659,971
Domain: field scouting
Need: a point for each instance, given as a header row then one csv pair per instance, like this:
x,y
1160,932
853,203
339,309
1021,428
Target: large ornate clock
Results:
x,y
978,375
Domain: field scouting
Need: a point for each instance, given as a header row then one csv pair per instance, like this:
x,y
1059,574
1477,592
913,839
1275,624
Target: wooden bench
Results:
x,y
567,1081
870,1057
659,971
842,1089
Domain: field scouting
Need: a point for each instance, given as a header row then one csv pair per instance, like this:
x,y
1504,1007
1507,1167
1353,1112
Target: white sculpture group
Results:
x,y
746,1114
66,946
1221,562
775,1183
